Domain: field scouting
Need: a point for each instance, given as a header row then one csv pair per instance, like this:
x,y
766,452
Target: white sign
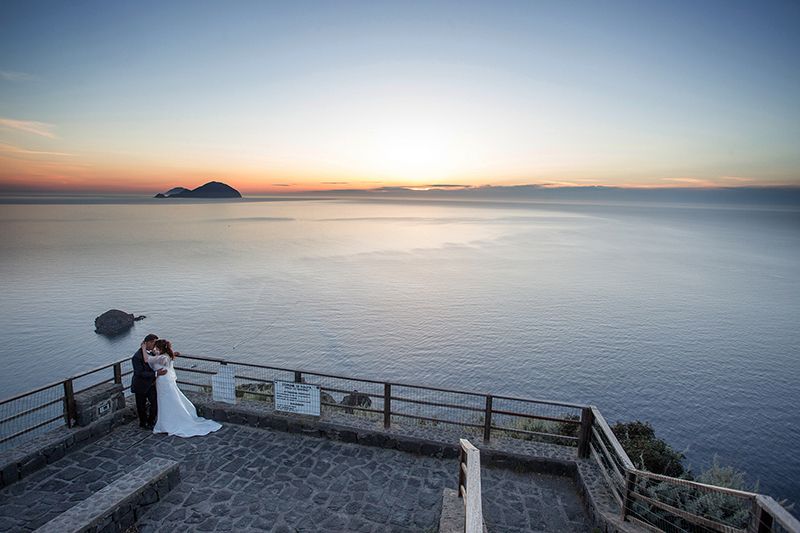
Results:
x,y
223,385
104,407
298,398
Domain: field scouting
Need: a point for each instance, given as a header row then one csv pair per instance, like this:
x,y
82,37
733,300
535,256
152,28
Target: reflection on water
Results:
x,y
686,317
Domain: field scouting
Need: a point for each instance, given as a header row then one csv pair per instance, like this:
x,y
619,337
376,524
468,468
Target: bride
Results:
x,y
176,414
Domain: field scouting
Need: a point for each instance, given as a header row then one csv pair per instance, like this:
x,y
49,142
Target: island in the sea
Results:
x,y
212,189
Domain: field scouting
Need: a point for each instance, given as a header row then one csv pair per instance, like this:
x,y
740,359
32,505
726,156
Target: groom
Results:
x,y
143,385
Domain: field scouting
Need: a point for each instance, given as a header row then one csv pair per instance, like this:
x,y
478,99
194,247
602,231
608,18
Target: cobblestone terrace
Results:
x,y
246,479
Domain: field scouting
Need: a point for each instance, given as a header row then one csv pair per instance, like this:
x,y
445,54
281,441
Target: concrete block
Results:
x,y
117,503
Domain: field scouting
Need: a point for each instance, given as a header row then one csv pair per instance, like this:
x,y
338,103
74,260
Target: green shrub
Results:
x,y
647,451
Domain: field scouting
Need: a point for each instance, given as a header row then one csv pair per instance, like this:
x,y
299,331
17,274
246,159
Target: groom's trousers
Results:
x,y
147,416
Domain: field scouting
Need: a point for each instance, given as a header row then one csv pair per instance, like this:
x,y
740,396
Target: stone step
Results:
x,y
116,506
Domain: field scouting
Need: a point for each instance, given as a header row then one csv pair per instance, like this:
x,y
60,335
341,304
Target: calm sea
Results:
x,y
683,316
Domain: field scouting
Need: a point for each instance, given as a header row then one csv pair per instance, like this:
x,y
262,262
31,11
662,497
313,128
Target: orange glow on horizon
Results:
x,y
57,172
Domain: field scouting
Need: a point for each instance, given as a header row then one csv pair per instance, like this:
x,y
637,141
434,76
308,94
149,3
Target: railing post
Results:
x,y
69,403
630,486
462,477
762,520
585,436
487,419
117,372
298,377
387,405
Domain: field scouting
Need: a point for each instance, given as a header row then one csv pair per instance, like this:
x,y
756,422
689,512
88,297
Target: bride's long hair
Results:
x,y
164,346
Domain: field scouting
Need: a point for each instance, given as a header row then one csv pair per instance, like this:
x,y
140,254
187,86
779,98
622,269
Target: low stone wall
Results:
x,y
28,457
97,402
116,506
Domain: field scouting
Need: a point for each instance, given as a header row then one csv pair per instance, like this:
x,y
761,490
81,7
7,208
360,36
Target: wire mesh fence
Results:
x,y
396,403
27,415
556,423
430,406
126,374
681,505
611,464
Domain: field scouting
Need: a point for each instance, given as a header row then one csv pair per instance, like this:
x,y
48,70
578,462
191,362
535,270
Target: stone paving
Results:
x,y
247,479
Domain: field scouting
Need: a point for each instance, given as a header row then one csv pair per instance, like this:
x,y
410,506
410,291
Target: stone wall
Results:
x,y
97,402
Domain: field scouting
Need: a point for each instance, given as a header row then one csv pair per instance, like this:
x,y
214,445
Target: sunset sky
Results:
x,y
143,96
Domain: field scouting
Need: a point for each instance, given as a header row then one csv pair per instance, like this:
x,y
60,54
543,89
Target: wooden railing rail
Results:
x,y
469,486
769,512
642,500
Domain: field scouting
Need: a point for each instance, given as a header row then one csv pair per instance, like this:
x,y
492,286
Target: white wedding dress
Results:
x,y
176,414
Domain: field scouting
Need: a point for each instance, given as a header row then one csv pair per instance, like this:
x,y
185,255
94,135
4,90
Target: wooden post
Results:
x,y
630,486
387,405
487,419
117,372
69,403
462,478
763,520
298,377
585,435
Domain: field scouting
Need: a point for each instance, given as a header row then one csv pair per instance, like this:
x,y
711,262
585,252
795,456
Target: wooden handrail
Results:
x,y
778,513
626,461
695,484
469,480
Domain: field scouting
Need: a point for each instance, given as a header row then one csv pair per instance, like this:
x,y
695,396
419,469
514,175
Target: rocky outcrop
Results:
x,y
324,398
113,322
212,189
261,392
356,399
172,192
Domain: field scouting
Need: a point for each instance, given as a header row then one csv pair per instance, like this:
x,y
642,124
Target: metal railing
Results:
x,y
51,406
469,486
484,415
656,502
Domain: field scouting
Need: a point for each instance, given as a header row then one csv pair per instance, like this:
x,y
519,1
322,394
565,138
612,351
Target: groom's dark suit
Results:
x,y
143,385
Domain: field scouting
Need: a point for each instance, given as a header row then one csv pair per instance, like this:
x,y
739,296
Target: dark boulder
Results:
x,y
356,399
113,322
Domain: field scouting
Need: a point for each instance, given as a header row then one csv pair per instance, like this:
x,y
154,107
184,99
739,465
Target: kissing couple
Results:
x,y
160,404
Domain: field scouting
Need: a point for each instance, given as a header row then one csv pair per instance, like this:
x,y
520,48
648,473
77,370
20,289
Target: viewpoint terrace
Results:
x,y
386,459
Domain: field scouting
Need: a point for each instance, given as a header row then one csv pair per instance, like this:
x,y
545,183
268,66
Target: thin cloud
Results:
x,y
9,149
335,182
10,75
690,181
29,126
281,184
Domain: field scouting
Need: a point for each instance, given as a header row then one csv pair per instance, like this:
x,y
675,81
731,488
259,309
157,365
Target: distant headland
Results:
x,y
212,189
